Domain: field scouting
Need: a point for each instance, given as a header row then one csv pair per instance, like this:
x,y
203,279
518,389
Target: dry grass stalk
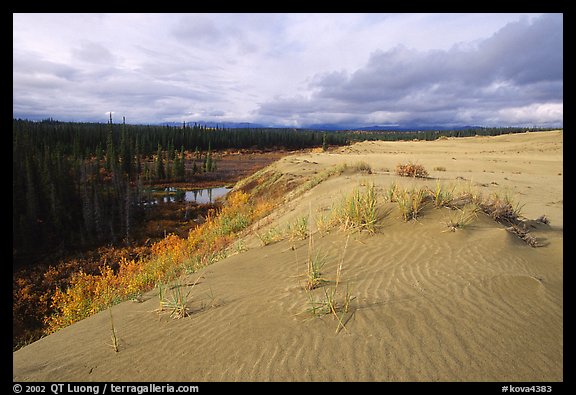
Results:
x,y
502,209
114,344
523,234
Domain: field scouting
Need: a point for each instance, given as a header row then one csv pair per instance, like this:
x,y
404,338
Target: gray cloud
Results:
x,y
294,69
520,65
93,53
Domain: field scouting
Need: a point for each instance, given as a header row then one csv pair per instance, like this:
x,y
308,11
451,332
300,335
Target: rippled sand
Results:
x,y
477,304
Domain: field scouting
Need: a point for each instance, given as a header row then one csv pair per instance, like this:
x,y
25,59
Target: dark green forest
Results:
x,y
81,184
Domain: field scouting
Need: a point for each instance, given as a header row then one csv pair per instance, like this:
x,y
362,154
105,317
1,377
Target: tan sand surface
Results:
x,y
477,304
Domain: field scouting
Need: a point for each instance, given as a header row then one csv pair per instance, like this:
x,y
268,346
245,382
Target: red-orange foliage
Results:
x,y
411,170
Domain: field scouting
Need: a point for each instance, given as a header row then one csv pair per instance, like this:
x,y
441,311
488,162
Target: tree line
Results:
x,y
78,184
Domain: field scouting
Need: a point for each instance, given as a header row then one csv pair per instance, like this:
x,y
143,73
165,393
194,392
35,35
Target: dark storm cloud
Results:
x,y
520,65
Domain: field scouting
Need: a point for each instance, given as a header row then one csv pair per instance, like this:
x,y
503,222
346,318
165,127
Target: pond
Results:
x,y
172,195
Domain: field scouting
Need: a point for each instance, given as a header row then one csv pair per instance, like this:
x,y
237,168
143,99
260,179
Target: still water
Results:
x,y
200,196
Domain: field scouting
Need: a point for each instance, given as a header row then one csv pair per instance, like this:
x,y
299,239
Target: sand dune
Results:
x,y
477,304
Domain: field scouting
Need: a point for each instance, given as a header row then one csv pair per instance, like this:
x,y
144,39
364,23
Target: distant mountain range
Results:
x,y
324,126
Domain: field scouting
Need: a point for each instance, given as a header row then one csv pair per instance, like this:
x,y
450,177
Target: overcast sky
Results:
x,y
291,69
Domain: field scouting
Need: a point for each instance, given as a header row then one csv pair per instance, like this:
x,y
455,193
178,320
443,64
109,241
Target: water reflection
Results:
x,y
199,196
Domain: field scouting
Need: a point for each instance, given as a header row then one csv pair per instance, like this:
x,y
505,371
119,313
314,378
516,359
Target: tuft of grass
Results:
x,y
334,301
359,210
362,167
411,202
314,265
441,197
469,195
502,208
465,217
391,193
299,229
331,303
272,235
411,170
324,223
176,301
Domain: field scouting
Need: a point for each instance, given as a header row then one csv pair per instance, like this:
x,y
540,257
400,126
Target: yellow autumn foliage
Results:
x,y
89,293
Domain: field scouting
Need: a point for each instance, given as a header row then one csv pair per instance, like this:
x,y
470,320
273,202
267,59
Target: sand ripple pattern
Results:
x,y
473,305
442,308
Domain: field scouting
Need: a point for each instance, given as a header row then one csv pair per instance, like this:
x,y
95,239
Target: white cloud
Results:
x,y
287,68
519,65
536,113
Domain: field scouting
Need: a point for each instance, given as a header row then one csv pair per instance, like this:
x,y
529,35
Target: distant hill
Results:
x,y
323,126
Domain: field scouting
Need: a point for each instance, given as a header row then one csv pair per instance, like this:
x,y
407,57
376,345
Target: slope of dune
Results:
x,y
427,304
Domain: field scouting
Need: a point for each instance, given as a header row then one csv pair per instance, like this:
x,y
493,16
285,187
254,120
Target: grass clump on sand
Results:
x,y
463,218
505,210
502,208
391,193
335,300
411,170
315,260
411,202
270,236
176,303
362,167
299,229
314,265
174,300
441,197
332,303
359,210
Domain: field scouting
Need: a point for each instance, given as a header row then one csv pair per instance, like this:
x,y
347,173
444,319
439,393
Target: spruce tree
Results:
x,y
160,172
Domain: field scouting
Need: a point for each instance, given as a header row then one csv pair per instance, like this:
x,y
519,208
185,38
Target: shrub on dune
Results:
x,y
411,170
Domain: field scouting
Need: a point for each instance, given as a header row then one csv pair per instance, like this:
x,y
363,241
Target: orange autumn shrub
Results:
x,y
89,293
411,170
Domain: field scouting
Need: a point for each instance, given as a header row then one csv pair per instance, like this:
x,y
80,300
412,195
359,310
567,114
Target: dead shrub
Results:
x,y
411,170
